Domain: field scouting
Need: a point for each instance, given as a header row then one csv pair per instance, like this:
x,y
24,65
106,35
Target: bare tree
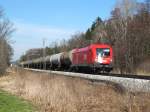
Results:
x,y
6,29
117,31
127,8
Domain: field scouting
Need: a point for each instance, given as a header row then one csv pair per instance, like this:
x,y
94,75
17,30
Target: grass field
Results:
x,y
53,93
10,103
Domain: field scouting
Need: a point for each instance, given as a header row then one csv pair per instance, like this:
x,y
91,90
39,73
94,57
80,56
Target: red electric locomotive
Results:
x,y
96,57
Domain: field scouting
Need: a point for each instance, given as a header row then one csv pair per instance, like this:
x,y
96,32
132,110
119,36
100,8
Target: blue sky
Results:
x,y
51,19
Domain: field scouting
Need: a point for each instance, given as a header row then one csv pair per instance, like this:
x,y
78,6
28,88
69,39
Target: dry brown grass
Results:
x,y
144,68
54,93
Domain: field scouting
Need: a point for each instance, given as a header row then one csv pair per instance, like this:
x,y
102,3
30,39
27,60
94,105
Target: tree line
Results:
x,y
127,30
6,51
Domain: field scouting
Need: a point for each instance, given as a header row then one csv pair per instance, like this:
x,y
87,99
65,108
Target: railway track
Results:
x,y
130,83
126,76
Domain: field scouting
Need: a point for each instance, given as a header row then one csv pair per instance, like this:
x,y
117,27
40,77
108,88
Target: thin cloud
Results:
x,y
39,31
29,36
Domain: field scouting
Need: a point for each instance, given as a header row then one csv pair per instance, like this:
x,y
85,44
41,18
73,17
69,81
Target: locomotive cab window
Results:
x,y
103,52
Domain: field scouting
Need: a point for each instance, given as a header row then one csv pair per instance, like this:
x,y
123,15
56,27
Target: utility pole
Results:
x,y
44,54
28,60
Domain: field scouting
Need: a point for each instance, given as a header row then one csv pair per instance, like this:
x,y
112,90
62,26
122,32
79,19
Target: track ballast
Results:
x,y
129,82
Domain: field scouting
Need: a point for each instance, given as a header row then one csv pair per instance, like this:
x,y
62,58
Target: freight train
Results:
x,y
95,58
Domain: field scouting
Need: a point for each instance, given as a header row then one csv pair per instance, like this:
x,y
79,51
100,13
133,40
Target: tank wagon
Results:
x,y
60,61
96,58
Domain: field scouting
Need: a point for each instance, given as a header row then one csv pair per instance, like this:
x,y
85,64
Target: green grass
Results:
x,y
10,103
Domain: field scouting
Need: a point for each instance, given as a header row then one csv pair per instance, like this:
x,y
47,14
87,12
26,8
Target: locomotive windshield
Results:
x,y
103,52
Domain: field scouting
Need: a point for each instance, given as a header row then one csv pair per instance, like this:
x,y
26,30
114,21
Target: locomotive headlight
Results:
x,y
104,61
96,60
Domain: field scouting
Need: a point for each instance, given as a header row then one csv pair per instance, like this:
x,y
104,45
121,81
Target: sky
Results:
x,y
51,20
